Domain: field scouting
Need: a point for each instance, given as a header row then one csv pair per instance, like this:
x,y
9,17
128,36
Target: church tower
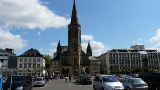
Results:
x,y
59,48
74,40
89,50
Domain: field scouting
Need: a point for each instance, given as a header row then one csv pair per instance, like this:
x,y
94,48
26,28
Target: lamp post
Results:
x,y
0,69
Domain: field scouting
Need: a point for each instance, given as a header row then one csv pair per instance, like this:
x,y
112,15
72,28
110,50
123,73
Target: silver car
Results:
x,y
19,88
134,84
107,82
39,81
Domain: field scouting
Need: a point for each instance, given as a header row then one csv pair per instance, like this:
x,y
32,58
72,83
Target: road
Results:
x,y
62,85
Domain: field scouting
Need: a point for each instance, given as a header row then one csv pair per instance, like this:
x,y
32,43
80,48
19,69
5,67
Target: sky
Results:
x,y
106,24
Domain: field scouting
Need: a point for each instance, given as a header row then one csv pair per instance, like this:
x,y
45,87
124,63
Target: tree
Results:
x,y
48,61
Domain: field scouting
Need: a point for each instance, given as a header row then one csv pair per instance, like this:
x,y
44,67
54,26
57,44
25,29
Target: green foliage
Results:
x,y
48,61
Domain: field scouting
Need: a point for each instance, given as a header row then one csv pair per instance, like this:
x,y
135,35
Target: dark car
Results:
x,y
152,79
14,82
47,78
85,80
134,84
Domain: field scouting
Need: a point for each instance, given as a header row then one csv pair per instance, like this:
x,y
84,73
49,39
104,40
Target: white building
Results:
x,y
133,60
31,62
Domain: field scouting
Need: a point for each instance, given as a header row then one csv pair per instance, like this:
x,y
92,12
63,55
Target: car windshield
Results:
x,y
18,78
137,80
39,79
110,79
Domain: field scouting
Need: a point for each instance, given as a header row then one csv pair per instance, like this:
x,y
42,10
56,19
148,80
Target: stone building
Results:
x,y
71,58
95,65
31,62
63,64
131,60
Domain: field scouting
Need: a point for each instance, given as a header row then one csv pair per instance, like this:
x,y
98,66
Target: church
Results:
x,y
72,59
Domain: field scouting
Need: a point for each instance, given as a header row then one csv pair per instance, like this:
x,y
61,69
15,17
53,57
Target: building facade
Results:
x,y
71,58
31,62
63,64
132,60
5,57
74,41
95,65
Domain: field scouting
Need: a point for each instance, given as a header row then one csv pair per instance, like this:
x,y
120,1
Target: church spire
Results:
x,y
74,18
89,50
59,45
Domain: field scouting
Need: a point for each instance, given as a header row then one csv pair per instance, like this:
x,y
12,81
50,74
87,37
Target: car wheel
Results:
x,y
94,88
128,88
102,88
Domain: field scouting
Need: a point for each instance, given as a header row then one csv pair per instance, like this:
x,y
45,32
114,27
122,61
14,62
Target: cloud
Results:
x,y
38,33
155,39
29,14
87,37
54,44
97,47
54,47
46,51
49,51
9,40
139,41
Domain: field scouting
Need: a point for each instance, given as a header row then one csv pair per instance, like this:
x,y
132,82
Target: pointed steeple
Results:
x,y
58,53
89,50
59,46
59,43
74,18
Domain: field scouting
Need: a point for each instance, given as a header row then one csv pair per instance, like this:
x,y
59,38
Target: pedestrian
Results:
x,y
66,79
70,77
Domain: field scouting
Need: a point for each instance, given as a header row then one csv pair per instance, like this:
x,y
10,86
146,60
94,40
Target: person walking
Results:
x,y
66,78
70,77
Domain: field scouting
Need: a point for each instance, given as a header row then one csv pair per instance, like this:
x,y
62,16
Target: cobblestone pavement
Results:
x,y
62,85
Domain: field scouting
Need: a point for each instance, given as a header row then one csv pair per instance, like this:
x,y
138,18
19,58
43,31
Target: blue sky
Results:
x,y
106,24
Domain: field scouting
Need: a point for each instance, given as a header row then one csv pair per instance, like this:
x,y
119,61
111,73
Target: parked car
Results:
x,y
39,81
120,77
19,83
47,78
131,83
107,82
135,75
33,80
19,88
152,79
85,80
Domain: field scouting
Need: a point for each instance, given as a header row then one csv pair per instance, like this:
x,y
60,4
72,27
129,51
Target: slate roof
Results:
x,y
31,53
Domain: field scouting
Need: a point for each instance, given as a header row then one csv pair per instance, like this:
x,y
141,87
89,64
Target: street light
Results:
x,y
0,64
0,69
